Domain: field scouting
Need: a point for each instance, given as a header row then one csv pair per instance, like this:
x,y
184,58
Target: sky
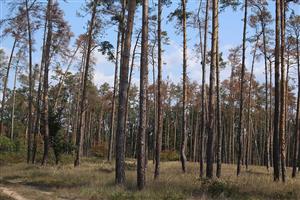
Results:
x,y
230,35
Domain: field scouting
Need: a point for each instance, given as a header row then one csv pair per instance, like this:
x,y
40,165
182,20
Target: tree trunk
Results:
x,y
248,143
276,150
5,86
267,127
39,97
218,113
113,106
46,84
29,127
184,97
80,130
120,136
129,87
242,82
282,131
297,131
203,102
159,95
211,97
62,78
141,139
14,101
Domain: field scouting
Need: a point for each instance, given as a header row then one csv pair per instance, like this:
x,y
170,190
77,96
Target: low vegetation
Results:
x,y
94,179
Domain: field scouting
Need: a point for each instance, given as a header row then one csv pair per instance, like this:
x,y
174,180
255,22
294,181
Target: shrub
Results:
x,y
169,155
100,150
6,145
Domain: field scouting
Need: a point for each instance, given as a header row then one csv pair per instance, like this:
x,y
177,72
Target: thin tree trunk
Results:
x,y
267,128
39,96
155,102
159,122
14,102
29,142
5,86
113,107
203,103
80,131
282,131
297,131
218,113
242,82
184,97
249,103
62,78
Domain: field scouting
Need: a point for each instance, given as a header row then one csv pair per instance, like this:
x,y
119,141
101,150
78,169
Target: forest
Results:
x,y
175,112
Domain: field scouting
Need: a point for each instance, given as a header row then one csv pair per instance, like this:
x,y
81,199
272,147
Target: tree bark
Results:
x,y
120,136
297,131
159,95
211,97
29,125
276,147
203,101
282,131
248,143
242,82
14,101
39,96
141,139
113,106
5,86
184,89
83,106
46,84
218,113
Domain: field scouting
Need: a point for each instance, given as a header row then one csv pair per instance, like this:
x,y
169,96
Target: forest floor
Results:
x,y
94,180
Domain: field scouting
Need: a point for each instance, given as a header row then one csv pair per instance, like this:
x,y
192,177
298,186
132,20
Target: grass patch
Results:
x,y
94,179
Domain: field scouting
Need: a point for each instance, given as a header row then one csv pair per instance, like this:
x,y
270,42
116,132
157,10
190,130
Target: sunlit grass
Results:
x,y
94,179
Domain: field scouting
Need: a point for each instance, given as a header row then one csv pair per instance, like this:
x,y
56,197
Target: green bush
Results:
x,y
169,155
6,145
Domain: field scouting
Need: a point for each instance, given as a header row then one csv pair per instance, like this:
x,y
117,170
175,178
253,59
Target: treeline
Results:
x,y
236,120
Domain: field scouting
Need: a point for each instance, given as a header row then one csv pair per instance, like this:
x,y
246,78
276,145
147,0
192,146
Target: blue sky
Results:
x,y
230,36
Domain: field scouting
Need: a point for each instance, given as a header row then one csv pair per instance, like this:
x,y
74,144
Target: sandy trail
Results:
x,y
12,194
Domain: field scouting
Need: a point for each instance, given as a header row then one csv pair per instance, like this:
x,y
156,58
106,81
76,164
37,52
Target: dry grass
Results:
x,y
94,179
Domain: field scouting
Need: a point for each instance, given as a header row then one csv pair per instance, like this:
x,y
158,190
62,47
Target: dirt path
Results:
x,y
12,194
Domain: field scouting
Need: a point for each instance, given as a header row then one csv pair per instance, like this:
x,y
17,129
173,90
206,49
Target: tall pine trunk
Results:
x,y
203,89
46,83
29,125
113,106
211,93
276,147
218,113
120,134
141,138
282,128
37,126
184,89
159,128
242,82
297,131
83,106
